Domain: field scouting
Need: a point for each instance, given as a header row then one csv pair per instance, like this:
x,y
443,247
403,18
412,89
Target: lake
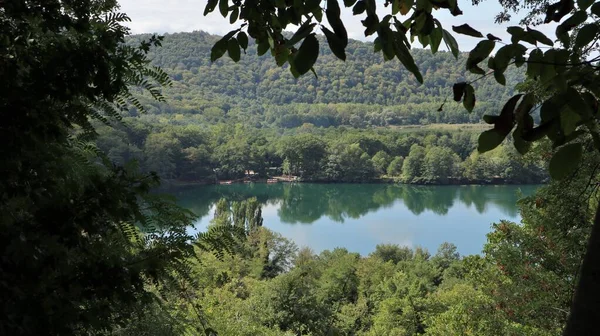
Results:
x,y
360,216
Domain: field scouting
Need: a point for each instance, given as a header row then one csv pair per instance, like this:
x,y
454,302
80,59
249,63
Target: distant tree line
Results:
x,y
179,150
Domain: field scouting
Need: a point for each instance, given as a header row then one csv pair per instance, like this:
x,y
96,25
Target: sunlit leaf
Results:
x,y
450,43
435,38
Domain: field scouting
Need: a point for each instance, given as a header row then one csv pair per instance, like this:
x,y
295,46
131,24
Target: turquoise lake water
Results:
x,y
360,216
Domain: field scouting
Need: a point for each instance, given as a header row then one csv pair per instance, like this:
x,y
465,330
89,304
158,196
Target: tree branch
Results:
x,y
585,309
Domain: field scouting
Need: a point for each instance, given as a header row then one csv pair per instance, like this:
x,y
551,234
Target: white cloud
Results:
x,y
159,16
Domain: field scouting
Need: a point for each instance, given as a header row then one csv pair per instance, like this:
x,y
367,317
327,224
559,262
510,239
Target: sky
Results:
x,y
172,16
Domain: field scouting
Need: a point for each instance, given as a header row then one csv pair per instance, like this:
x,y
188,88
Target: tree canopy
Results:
x,y
563,76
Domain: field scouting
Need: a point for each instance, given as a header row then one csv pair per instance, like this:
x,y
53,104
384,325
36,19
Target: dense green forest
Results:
x,y
520,285
178,150
89,248
362,91
222,119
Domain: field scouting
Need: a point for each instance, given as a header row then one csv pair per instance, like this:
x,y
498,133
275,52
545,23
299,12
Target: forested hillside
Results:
x,y
363,91
520,285
184,149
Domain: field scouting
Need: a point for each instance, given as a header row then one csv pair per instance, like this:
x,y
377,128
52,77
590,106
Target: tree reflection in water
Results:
x,y
307,202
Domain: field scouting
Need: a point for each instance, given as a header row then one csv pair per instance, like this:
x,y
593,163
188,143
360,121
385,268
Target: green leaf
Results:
x,y
305,29
243,40
349,3
234,15
210,6
548,70
537,133
524,107
534,65
435,38
584,4
481,51
459,90
596,9
262,47
565,161
371,23
307,54
492,37
576,102
465,29
405,6
563,35
451,43
505,122
224,7
333,16
519,34
395,7
469,100
428,24
574,20
490,119
549,111
489,140
520,144
569,120
233,50
586,35
359,8
500,78
335,44
540,37
405,57
503,57
282,54
218,50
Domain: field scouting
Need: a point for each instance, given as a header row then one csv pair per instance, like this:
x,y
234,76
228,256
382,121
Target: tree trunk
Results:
x,y
585,309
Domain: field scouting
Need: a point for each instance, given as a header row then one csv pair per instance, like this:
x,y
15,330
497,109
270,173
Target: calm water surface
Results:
x,y
360,216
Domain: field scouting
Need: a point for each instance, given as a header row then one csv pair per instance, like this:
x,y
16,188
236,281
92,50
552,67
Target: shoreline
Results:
x,y
493,182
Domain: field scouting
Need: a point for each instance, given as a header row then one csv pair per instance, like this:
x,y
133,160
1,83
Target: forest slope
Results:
x,y
363,91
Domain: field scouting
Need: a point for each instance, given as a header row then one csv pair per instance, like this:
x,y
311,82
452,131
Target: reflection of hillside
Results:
x,y
306,203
